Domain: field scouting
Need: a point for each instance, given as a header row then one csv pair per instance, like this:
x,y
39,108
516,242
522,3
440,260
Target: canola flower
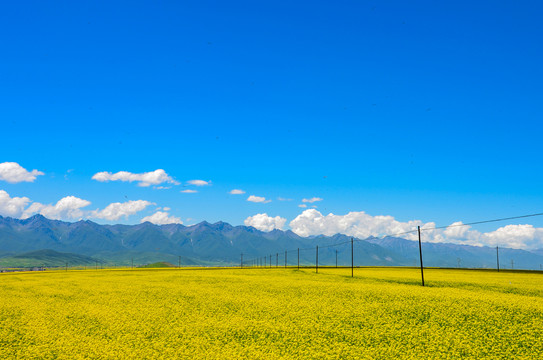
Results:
x,y
381,313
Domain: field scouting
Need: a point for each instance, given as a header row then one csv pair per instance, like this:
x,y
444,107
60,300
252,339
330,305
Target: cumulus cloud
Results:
x,y
189,191
14,173
115,211
264,222
68,207
237,192
199,182
71,207
516,236
312,200
359,224
156,177
283,199
162,218
12,206
302,205
258,199
362,225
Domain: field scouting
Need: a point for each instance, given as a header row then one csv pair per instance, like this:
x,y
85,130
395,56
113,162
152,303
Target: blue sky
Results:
x,y
417,110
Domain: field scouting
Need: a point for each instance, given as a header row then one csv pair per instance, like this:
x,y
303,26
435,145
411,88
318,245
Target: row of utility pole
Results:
x,y
261,261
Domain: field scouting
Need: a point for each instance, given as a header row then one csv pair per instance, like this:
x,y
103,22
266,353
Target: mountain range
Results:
x,y
222,244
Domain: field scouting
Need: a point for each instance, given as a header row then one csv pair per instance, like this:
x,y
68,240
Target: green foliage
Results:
x,y
160,264
47,258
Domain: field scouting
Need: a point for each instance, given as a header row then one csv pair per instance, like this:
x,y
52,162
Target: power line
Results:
x,y
426,229
484,221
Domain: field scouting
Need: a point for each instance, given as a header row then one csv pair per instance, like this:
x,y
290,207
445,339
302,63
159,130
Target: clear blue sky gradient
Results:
x,y
419,109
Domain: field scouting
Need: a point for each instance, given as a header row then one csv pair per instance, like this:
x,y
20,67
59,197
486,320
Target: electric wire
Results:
x,y
421,229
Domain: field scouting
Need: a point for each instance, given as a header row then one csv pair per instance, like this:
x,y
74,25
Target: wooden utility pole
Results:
x,y
179,262
420,254
336,258
298,258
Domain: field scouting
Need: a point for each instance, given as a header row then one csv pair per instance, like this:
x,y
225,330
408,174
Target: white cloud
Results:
x,y
264,222
456,230
165,208
312,200
359,224
162,218
115,211
12,206
199,182
189,191
258,199
237,192
515,236
156,177
283,199
302,205
68,207
14,173
362,225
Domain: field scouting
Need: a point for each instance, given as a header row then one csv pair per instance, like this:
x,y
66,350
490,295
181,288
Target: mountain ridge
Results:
x,y
223,243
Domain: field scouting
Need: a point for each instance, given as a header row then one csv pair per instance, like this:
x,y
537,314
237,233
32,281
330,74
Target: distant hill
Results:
x,y
46,257
222,244
453,255
160,264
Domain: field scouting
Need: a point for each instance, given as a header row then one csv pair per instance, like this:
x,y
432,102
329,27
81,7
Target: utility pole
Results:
x,y
420,253
298,258
241,262
66,266
270,261
512,263
276,259
179,263
336,258
285,259
498,258
132,263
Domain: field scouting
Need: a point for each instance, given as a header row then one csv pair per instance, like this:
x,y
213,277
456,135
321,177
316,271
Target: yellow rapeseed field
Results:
x,y
271,314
